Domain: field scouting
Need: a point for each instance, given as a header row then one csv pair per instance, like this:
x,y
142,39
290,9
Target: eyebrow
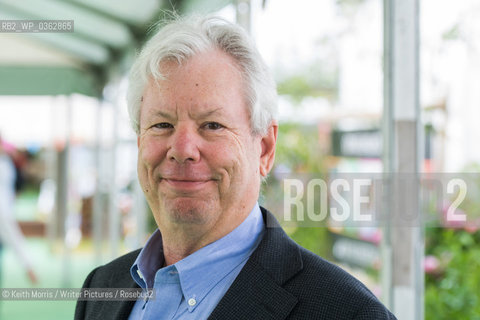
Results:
x,y
163,114
202,115
208,113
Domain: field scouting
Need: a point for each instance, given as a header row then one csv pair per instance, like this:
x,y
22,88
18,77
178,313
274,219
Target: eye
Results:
x,y
213,126
163,125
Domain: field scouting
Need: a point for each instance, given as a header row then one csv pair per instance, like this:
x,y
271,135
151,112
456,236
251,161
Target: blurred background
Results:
x,y
65,133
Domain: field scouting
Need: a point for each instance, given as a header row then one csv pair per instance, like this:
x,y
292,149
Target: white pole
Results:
x,y
66,202
403,240
113,212
97,219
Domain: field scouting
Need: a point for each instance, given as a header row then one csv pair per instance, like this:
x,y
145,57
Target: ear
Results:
x,y
269,140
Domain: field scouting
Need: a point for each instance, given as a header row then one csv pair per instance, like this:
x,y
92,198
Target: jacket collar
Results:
x,y
257,290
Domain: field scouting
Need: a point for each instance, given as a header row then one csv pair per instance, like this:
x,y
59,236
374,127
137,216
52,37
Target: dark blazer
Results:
x,y
281,280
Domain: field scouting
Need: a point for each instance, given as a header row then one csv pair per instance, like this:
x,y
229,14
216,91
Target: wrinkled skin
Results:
x,y
199,163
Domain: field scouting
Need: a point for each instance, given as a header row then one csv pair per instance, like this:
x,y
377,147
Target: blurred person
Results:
x,y
10,233
203,106
20,160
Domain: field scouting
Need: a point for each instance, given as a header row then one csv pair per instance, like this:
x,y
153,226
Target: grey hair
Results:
x,y
184,37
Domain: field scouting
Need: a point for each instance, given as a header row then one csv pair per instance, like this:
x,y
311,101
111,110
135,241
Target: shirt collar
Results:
x,y
201,271
148,261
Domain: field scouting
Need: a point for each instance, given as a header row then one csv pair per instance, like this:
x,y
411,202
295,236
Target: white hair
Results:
x,y
184,37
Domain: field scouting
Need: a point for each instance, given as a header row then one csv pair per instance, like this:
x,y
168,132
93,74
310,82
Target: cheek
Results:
x,y
242,162
252,155
150,153
149,157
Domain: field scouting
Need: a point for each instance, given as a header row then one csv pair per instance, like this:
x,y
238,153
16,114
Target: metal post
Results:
x,y
113,212
62,193
403,238
51,158
97,221
66,270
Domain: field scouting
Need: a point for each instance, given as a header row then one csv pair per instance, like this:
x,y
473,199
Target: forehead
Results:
x,y
210,61
210,79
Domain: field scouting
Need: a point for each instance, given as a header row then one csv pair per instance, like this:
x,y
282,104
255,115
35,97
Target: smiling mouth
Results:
x,y
185,185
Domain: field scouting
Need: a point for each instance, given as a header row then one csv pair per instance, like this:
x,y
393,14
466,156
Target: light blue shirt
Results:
x,y
192,287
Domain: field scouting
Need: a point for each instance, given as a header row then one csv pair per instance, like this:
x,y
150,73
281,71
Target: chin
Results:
x,y
190,211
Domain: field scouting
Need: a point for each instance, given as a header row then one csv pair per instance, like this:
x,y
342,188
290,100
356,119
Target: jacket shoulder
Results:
x,y
115,274
107,276
326,291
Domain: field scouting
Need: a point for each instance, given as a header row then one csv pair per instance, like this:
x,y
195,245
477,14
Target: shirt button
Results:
x,y
192,302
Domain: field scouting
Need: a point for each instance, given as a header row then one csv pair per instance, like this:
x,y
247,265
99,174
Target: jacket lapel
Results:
x,y
120,309
125,306
257,292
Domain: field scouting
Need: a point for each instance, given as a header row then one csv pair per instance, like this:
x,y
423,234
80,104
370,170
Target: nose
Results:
x,y
184,145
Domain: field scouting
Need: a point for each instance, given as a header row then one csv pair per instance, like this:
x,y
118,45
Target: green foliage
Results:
x,y
350,2
298,152
315,239
349,7
452,34
453,293
320,79
297,87
298,149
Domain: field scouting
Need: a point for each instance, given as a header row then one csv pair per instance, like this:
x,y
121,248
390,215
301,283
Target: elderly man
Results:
x,y
202,103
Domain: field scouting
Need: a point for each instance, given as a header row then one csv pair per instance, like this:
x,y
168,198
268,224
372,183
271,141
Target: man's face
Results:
x,y
199,164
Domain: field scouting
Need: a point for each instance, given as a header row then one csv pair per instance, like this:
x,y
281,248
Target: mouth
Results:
x,y
185,184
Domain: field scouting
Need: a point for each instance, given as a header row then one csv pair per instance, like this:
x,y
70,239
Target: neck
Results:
x,y
180,240
179,244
